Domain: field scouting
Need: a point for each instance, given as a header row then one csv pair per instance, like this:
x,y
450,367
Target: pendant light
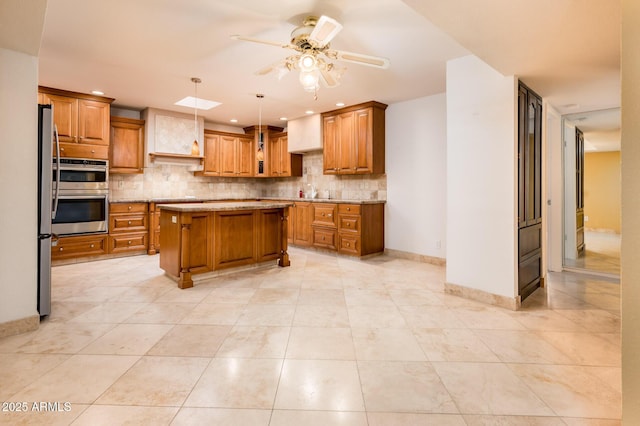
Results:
x,y
195,149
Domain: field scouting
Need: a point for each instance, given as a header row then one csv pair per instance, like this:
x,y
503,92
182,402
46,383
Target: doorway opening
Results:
x,y
592,192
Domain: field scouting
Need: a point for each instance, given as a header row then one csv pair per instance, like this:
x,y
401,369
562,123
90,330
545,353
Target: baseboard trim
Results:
x,y
19,326
417,257
483,296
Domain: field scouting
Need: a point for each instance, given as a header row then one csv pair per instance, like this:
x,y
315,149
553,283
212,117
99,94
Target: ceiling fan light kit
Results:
x,y
311,41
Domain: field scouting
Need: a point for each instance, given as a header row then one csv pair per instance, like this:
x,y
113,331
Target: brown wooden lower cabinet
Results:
x,y
210,239
128,227
350,229
300,217
80,246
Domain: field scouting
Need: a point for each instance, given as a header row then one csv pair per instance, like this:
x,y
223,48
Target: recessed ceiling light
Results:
x,y
234,120
283,118
308,112
204,104
340,104
97,92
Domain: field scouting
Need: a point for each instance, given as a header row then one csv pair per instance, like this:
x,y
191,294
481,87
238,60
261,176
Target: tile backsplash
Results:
x,y
177,181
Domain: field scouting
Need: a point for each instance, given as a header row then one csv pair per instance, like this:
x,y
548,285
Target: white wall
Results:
x,y
481,177
416,140
18,185
630,271
554,188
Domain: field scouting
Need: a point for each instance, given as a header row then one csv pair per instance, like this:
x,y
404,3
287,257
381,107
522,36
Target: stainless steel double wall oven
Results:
x,y
80,196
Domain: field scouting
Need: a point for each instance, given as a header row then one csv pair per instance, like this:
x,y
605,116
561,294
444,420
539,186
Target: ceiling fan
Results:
x,y
310,41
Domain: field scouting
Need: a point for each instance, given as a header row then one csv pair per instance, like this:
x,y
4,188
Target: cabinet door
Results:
x,y
347,146
285,157
275,157
65,116
228,154
245,157
93,122
126,150
363,143
302,222
329,150
211,155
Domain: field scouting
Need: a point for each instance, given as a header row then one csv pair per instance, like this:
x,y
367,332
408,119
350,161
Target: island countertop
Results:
x,y
223,206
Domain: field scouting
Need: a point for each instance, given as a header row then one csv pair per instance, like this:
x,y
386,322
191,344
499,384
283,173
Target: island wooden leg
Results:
x,y
283,260
185,280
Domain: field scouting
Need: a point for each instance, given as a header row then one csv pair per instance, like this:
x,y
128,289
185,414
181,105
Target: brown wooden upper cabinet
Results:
x,y
236,155
126,150
272,157
354,139
281,162
82,122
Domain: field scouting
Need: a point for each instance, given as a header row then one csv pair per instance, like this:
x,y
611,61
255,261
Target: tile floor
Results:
x,y
328,341
601,254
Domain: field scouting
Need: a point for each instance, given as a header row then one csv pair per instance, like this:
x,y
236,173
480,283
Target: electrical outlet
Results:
x,y
438,244
586,218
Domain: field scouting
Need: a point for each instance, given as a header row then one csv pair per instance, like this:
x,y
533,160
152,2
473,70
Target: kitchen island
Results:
x,y
198,238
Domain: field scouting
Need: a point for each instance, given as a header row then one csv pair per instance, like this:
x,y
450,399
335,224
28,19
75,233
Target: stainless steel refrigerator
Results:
x,y
45,206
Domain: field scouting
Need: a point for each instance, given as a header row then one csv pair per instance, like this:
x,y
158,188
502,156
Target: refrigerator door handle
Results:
x,y
57,194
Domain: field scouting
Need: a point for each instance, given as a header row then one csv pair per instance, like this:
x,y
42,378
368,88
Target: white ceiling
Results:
x,y
143,53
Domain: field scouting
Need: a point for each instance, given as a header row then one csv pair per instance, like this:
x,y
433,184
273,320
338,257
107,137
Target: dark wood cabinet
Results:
x,y
579,191
529,191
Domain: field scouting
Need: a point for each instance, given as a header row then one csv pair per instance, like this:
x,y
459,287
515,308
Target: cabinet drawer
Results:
x,y
324,214
128,208
323,237
127,223
349,244
128,242
77,150
348,209
86,245
349,223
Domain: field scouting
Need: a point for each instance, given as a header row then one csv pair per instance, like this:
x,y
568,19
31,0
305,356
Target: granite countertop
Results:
x,y
243,200
221,206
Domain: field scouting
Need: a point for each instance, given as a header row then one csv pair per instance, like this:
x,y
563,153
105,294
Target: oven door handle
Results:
x,y
57,194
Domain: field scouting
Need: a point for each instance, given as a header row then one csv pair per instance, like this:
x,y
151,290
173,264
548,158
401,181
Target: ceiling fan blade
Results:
x,y
325,30
328,78
257,40
281,67
358,58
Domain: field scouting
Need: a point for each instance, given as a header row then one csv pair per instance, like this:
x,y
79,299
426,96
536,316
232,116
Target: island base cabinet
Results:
x,y
205,241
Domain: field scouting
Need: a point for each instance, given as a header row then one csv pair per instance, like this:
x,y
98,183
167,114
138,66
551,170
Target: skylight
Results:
x,y
203,104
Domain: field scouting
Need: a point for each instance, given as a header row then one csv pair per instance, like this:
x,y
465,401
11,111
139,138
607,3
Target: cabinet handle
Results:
x,y
129,207
129,223
322,214
348,209
348,224
91,246
322,238
348,244
329,215
129,242
62,149
61,248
